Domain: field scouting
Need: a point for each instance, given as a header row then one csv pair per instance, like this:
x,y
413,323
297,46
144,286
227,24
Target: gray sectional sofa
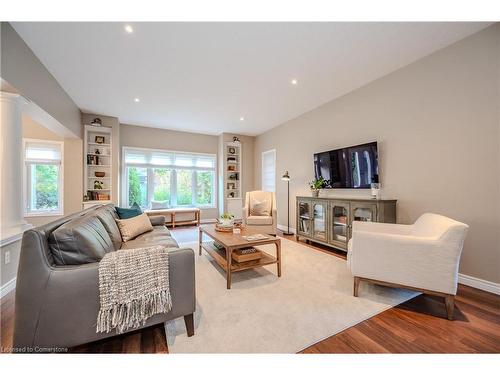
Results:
x,y
57,291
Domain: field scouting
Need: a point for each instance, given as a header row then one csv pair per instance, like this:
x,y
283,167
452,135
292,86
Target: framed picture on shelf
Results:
x,y
231,167
233,176
99,139
231,186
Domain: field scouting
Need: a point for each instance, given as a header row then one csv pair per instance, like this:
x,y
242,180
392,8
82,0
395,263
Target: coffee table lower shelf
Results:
x,y
220,257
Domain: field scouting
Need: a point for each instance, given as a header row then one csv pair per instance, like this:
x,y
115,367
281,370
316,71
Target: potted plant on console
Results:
x,y
316,185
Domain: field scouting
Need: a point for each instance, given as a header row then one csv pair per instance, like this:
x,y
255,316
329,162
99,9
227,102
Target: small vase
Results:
x,y
315,193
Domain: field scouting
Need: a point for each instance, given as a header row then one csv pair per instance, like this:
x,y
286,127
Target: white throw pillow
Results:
x,y
260,208
159,205
133,227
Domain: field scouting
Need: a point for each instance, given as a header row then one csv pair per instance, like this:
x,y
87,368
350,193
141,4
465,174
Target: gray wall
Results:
x,y
138,136
22,69
437,124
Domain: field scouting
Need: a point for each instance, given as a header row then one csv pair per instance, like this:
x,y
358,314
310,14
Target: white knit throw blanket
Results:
x,y
133,286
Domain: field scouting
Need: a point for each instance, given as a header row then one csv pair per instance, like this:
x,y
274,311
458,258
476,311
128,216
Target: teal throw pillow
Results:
x,y
127,213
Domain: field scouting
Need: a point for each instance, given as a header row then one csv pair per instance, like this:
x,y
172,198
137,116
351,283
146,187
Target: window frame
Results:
x,y
173,177
27,181
273,152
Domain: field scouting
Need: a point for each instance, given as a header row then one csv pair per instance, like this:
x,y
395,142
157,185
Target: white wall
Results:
x,y
437,124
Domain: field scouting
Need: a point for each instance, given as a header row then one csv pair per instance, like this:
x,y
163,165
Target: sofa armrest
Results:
x,y
244,215
157,220
407,260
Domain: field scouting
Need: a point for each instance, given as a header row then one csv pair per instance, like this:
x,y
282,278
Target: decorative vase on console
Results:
x,y
316,185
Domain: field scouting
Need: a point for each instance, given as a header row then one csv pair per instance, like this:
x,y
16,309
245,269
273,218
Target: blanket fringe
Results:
x,y
134,313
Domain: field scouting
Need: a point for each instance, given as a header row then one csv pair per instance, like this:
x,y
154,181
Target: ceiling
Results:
x,y
203,77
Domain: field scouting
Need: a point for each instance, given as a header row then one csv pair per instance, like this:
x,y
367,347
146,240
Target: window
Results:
x,y
43,177
182,179
269,170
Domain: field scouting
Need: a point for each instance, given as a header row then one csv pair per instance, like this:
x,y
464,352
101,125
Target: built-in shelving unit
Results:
x,y
232,179
98,147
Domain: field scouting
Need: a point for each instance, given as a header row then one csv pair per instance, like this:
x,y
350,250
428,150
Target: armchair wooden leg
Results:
x,y
356,286
189,321
450,305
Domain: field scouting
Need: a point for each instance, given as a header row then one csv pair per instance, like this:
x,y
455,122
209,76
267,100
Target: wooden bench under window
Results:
x,y
172,212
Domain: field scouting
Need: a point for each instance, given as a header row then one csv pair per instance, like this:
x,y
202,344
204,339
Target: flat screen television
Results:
x,y
353,167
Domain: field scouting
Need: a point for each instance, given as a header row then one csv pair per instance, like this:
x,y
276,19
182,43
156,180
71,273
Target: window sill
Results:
x,y
43,214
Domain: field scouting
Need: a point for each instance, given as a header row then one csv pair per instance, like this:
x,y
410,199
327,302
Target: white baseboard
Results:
x,y
8,287
284,228
487,286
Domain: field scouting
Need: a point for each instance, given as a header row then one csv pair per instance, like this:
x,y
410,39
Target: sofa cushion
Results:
x,y
159,205
260,220
158,236
107,215
79,241
128,213
133,227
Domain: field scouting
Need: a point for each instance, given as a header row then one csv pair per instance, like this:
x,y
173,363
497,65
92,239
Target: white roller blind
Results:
x,y
167,159
269,170
46,152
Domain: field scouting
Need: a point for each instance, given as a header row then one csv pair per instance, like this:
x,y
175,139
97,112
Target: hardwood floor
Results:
x,y
416,326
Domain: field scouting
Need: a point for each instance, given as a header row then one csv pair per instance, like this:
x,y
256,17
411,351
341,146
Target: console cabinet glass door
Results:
x,y
363,211
304,217
339,224
320,220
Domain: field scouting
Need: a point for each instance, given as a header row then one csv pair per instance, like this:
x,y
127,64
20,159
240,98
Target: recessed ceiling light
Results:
x,y
129,29
137,100
294,81
242,119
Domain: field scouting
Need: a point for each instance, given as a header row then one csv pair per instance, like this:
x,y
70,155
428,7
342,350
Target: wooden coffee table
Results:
x,y
232,242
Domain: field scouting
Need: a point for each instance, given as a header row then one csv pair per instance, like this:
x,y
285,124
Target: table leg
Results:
x,y
228,264
278,256
173,219
200,239
198,214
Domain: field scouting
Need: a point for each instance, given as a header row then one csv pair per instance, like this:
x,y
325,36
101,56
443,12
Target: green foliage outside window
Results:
x,y
46,189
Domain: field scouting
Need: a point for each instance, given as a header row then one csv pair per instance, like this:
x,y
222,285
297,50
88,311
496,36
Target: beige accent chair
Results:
x,y
424,256
260,211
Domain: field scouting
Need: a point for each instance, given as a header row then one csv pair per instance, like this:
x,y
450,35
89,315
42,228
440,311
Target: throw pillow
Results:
x,y
260,208
159,205
133,227
127,213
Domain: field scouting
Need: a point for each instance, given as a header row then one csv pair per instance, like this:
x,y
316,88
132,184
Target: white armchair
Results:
x,y
424,256
260,211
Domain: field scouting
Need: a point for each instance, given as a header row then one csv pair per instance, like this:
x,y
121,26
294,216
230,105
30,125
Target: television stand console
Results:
x,y
328,220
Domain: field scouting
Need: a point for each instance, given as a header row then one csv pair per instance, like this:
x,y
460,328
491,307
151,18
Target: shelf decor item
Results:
x,y
100,174
316,185
99,139
286,177
96,122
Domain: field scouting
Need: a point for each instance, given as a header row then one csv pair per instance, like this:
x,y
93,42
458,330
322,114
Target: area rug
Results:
x,y
262,313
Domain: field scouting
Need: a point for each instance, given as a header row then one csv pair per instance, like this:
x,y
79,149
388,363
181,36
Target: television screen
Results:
x,y
353,167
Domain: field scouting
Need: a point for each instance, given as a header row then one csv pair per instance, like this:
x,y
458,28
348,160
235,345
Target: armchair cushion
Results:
x,y
260,220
